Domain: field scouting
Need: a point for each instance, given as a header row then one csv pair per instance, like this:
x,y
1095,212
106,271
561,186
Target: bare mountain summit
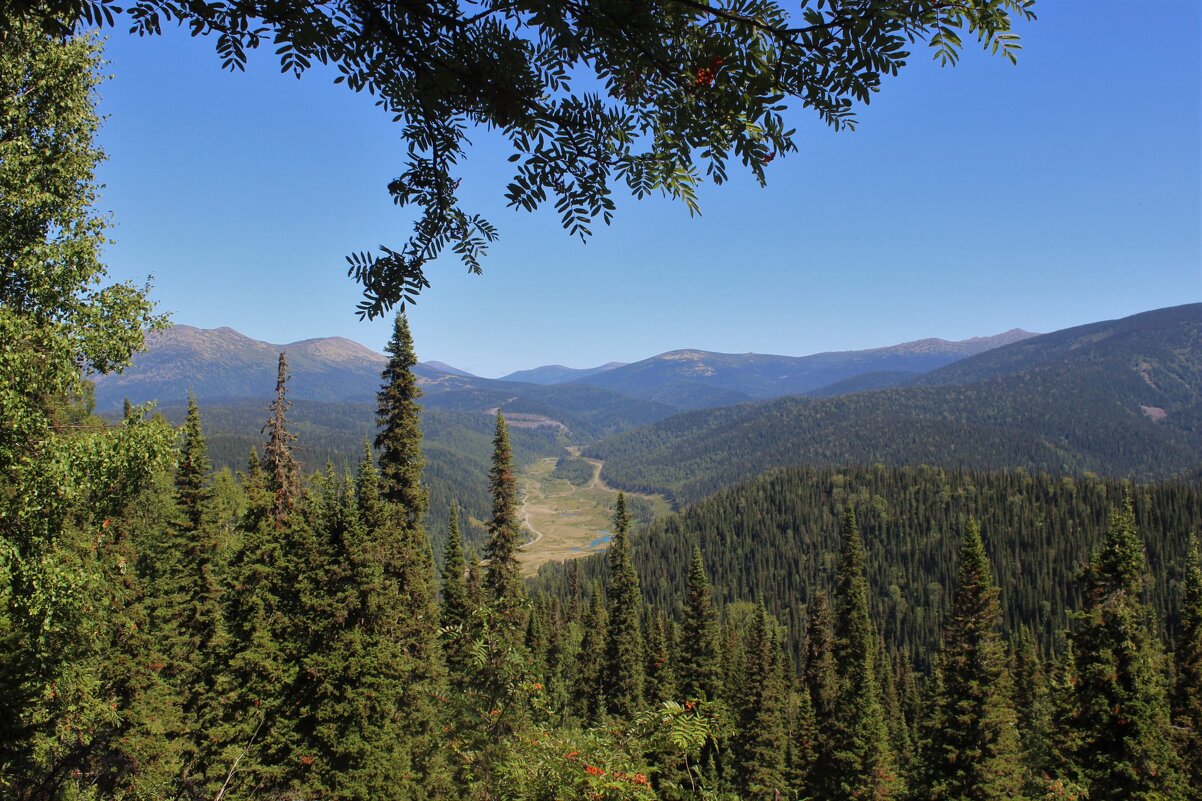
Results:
x,y
222,364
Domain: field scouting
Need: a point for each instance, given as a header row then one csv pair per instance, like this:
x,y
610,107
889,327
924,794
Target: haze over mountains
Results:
x,y
222,365
1121,397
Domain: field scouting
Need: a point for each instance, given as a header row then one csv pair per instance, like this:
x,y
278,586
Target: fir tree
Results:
x,y
503,578
283,472
574,590
861,763
1120,708
192,490
760,740
1187,690
973,752
660,684
196,631
821,676
457,606
398,418
386,725
624,655
804,744
700,672
587,689
1033,706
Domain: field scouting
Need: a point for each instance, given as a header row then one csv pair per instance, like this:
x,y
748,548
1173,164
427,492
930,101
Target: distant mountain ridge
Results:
x,y
558,374
222,365
1120,398
693,379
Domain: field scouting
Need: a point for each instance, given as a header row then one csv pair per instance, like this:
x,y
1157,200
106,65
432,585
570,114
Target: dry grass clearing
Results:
x,y
566,521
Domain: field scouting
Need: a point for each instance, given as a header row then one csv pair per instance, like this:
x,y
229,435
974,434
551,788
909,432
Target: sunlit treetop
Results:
x,y
653,95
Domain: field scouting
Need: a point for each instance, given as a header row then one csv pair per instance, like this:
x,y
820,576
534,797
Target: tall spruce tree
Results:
x,y
1120,710
624,655
660,684
192,485
588,695
456,604
700,672
503,577
821,675
861,762
973,751
196,633
1187,689
1033,705
283,471
760,740
398,417
804,743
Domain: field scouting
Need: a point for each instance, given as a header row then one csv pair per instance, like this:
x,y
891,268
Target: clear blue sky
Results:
x,y
971,200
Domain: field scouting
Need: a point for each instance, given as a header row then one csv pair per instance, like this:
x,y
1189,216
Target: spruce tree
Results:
x,y
457,606
700,672
398,417
381,711
1187,690
588,695
973,752
1033,706
196,631
760,740
624,655
192,488
804,744
861,762
1120,706
283,471
503,577
660,684
821,675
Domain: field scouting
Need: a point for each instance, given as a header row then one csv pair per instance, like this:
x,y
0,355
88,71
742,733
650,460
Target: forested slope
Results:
x,y
457,446
776,540
1123,403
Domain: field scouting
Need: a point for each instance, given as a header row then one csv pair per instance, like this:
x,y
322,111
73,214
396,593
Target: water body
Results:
x,y
602,540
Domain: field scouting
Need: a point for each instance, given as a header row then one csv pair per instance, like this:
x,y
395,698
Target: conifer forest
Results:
x,y
288,631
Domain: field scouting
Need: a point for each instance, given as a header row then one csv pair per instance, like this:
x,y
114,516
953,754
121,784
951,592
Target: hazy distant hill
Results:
x,y
1121,398
558,374
222,364
694,379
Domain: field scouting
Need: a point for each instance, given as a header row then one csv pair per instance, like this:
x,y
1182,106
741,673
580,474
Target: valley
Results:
x,y
568,520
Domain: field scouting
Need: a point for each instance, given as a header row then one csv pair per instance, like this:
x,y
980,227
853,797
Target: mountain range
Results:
x,y
1121,398
222,365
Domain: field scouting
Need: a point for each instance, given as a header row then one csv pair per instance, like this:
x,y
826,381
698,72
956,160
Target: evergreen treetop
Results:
x,y
1119,705
398,417
973,752
701,665
283,471
503,577
624,655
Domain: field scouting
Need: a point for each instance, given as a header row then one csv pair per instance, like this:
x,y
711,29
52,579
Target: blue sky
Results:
x,y
971,200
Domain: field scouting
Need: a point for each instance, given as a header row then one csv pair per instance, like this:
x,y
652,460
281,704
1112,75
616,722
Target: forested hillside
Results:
x,y
1121,405
170,631
775,540
458,447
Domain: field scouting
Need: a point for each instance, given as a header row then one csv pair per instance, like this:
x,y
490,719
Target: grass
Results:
x,y
566,521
